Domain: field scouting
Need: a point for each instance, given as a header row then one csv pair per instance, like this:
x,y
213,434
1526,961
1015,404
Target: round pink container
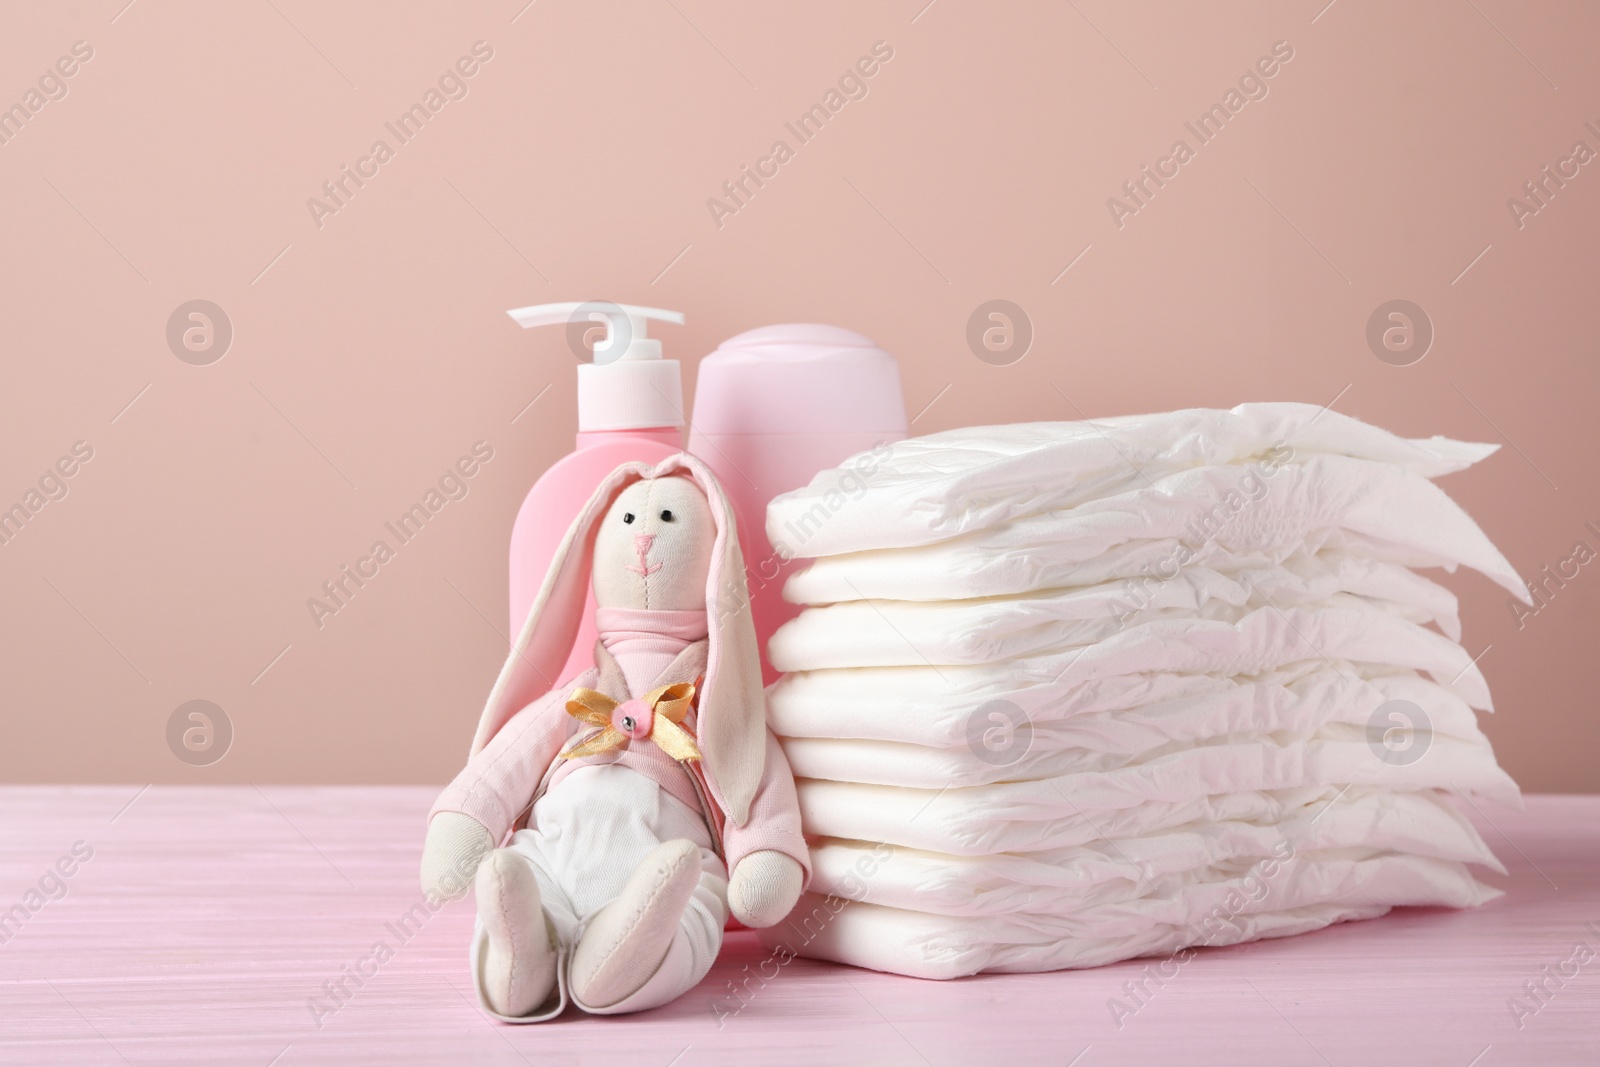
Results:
x,y
774,406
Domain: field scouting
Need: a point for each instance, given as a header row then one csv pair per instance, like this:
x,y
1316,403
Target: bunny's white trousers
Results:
x,y
584,839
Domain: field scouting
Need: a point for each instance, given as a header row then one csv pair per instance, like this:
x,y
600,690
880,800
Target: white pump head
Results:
x,y
627,385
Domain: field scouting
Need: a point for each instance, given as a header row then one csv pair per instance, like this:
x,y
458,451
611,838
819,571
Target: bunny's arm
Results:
x,y
478,808
774,822
768,861
496,785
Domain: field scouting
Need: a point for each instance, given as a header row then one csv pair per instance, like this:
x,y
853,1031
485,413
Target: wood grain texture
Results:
x,y
207,918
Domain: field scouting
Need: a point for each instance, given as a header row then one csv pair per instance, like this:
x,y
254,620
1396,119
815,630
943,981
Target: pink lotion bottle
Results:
x,y
774,406
630,408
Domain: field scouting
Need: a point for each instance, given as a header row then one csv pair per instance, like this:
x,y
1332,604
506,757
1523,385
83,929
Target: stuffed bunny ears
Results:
x,y
731,720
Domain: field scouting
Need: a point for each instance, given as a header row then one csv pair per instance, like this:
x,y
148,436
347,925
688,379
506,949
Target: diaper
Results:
x,y
1071,881
939,709
1322,704
1260,639
1305,893
943,485
1222,518
982,630
1254,779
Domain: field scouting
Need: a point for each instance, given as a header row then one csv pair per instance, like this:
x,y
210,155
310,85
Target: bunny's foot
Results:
x,y
627,940
518,961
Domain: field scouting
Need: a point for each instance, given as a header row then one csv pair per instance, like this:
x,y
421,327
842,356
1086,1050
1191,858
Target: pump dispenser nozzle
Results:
x,y
627,386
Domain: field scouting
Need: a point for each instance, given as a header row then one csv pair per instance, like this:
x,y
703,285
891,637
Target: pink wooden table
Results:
x,y
207,919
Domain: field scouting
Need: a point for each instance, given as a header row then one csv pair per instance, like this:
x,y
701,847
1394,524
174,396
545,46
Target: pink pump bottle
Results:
x,y
774,406
630,408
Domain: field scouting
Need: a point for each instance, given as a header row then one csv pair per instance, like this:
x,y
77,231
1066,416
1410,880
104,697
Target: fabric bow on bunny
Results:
x,y
635,787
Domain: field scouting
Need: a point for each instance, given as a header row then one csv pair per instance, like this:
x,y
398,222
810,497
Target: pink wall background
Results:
x,y
369,352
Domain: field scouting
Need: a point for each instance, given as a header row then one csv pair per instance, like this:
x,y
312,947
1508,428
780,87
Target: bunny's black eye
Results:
x,y
666,516
627,516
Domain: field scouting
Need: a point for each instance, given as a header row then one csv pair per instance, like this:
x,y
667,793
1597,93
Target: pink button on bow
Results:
x,y
633,718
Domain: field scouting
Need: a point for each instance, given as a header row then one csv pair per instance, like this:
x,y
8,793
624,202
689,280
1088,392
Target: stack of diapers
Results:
x,y
1063,694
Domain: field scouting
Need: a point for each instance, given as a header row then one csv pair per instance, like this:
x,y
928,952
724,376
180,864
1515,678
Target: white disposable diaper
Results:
x,y
1115,713
1066,882
1323,705
1260,639
1220,518
982,630
1257,779
931,488
1305,893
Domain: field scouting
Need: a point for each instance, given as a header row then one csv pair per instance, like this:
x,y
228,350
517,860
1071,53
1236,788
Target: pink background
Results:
x,y
372,351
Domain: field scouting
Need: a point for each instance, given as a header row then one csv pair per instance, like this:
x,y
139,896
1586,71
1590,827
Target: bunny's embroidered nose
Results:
x,y
641,544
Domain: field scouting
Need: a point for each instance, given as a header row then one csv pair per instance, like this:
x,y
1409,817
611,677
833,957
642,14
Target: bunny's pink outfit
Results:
x,y
592,817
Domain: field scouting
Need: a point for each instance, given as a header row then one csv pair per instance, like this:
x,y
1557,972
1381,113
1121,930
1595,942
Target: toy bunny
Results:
x,y
642,782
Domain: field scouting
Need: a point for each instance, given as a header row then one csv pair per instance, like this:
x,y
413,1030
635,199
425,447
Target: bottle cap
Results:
x,y
625,385
799,378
